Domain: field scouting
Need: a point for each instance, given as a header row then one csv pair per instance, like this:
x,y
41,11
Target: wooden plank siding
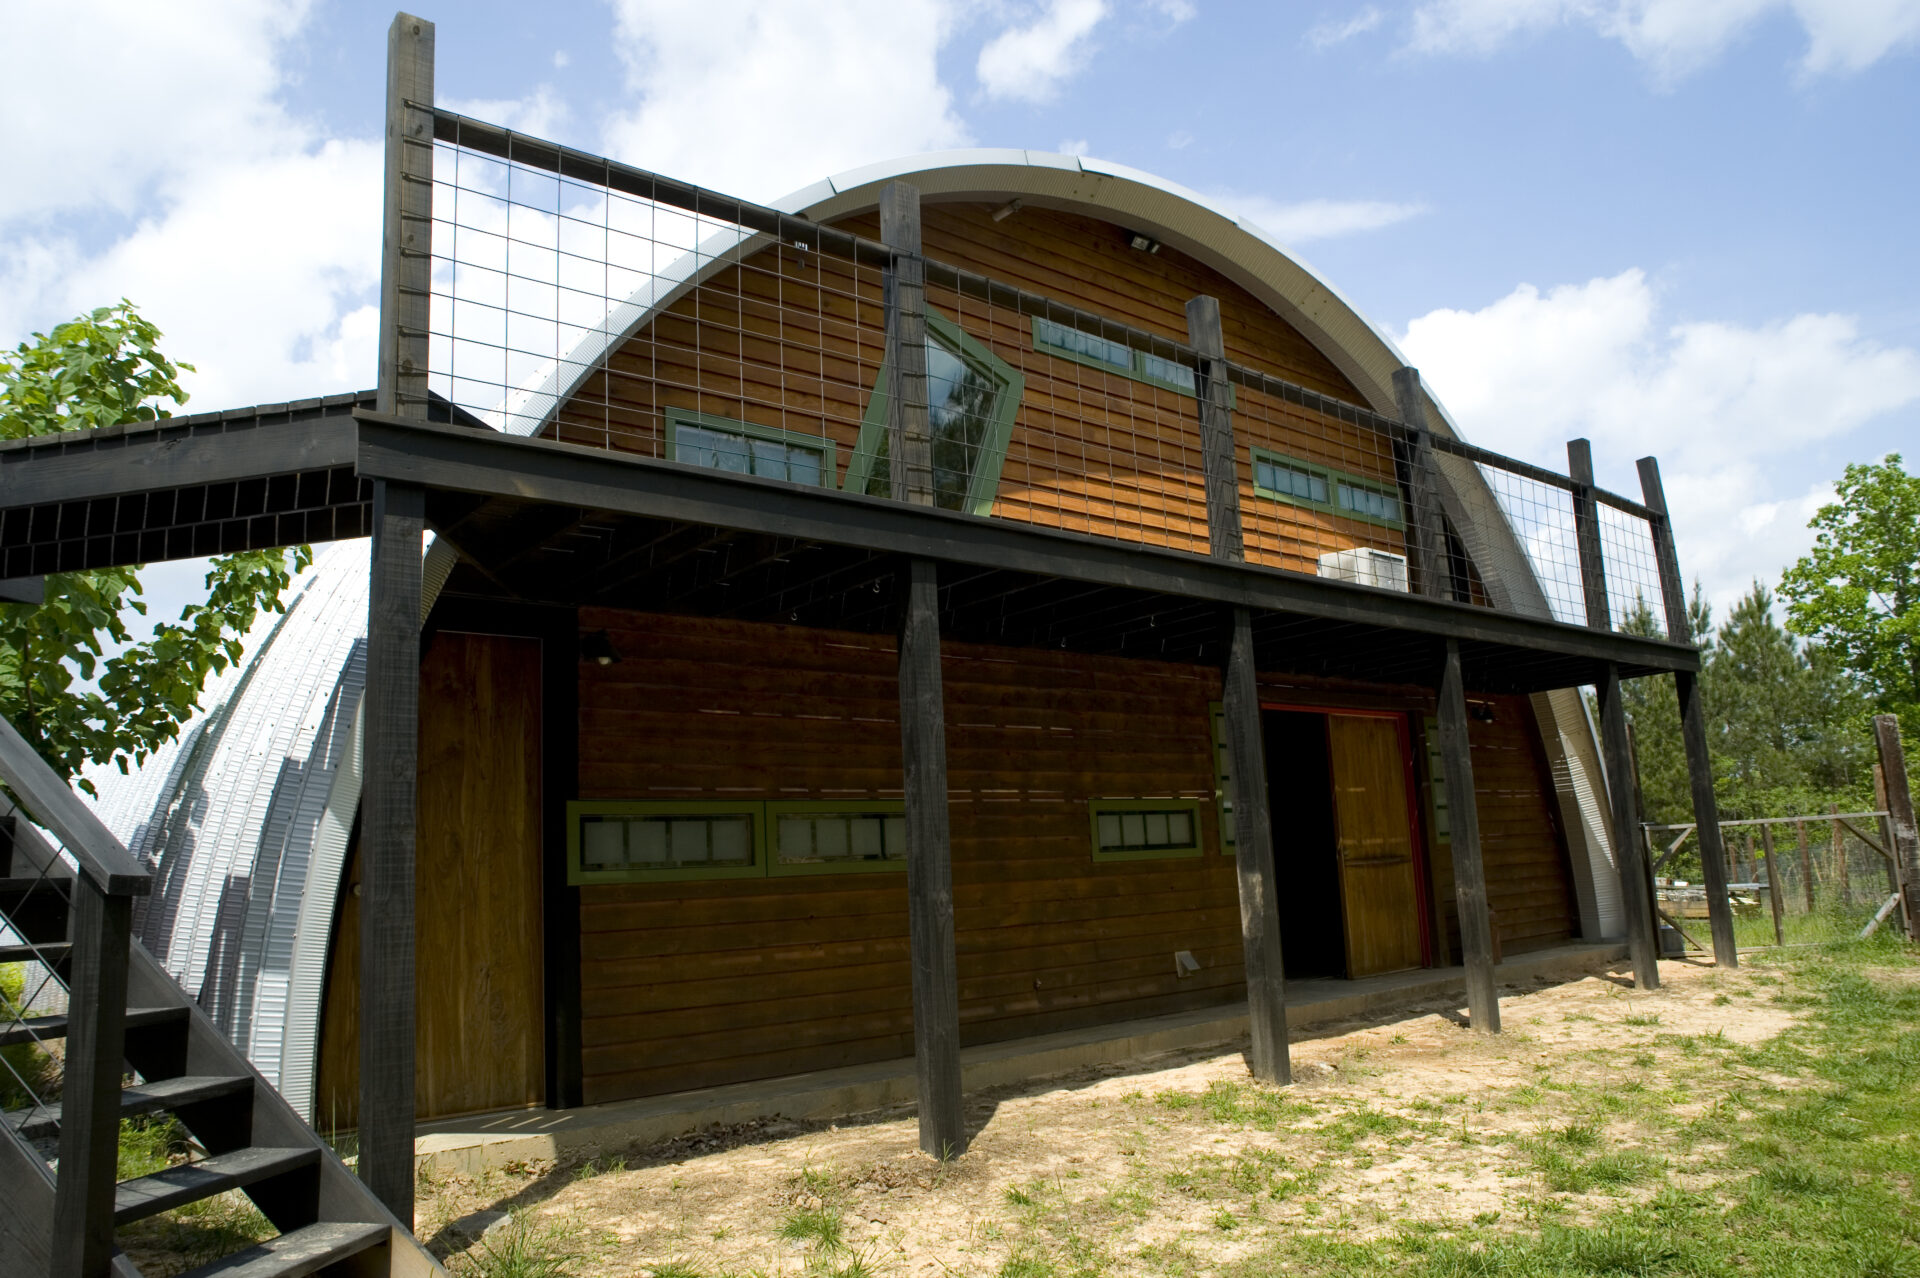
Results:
x,y
793,340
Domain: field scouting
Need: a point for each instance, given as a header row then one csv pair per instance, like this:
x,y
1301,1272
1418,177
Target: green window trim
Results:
x,y
727,425
1333,480
1140,366
580,874
1222,774
779,808
1438,820
984,483
1097,808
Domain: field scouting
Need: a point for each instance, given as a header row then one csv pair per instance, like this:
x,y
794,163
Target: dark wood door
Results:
x,y
1379,881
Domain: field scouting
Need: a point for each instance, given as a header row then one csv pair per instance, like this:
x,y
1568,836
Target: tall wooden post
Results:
x,y
1427,527
1840,859
1693,723
1900,820
1217,455
1617,750
1806,864
1773,885
387,821
923,752
1240,712
1469,872
406,259
1892,860
101,927
909,433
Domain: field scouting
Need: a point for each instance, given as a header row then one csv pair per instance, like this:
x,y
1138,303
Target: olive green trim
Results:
x,y
577,808
1222,761
819,443
827,807
1333,477
1439,819
1136,368
1096,808
984,483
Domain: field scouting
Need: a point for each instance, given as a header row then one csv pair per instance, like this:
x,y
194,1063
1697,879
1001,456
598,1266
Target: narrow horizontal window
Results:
x,y
1135,829
812,837
1370,502
636,842
1289,481
744,449
1068,341
1166,372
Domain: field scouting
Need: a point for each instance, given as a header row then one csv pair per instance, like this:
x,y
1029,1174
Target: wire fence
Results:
x,y
1791,880
36,897
602,306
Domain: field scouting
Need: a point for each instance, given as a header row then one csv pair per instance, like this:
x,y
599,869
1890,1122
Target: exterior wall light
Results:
x,y
1145,243
597,647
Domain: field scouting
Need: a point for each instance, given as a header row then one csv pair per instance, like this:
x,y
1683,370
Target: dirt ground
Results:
x,y
1408,1117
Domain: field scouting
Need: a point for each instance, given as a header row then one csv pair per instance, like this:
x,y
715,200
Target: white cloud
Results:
x,y
1676,37
1305,220
1179,140
1727,408
1029,63
760,99
1325,35
1073,146
539,114
1174,11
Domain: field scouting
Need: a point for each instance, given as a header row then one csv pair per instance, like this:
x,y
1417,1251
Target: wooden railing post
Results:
x,y
909,432
388,815
1469,871
1773,884
406,259
1426,525
1622,785
1261,956
94,1065
1900,818
1693,723
923,750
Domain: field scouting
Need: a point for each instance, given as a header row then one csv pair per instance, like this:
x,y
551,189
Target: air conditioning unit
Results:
x,y
1369,567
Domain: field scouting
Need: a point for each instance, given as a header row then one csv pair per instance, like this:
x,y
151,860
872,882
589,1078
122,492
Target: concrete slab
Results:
x,y
472,1143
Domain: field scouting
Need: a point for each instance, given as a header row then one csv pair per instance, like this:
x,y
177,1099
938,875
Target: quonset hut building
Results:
x,y
989,594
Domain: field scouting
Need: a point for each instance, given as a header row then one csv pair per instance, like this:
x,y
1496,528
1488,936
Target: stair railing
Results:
x,y
80,1242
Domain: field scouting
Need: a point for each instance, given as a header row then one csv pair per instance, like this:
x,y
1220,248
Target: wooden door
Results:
x,y
1379,882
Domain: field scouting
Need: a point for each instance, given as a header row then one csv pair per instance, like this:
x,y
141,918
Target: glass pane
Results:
x,y
689,841
1180,829
867,832
960,404
1133,829
647,841
830,837
1109,829
1316,489
732,840
1165,370
769,458
796,839
1156,829
896,838
601,843
803,465
1062,338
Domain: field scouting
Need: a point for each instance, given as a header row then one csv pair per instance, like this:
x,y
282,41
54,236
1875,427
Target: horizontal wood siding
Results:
x,y
794,340
695,984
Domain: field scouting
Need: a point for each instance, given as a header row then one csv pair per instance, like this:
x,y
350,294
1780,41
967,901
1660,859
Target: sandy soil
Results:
x,y
1409,1117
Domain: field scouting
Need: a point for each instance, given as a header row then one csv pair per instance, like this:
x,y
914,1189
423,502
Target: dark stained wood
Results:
x,y
1901,829
1379,888
1254,873
406,232
910,451
1427,538
930,924
1469,875
1586,531
389,814
92,1066
1629,849
1217,451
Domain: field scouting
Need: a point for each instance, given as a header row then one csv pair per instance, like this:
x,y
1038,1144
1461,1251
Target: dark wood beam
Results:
x,y
1628,849
1469,870
1901,828
1253,859
1219,459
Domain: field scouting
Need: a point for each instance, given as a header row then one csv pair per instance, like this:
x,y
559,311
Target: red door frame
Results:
x,y
1402,720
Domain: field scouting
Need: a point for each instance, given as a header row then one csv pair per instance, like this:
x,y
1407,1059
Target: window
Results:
x,y
1141,829
1222,772
829,837
663,842
1303,483
1437,783
1085,348
745,449
972,396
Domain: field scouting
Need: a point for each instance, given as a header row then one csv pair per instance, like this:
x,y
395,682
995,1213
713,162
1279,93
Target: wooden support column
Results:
x,y
1427,529
1253,860
923,751
909,433
101,925
387,823
1693,723
1900,819
1240,712
406,240
1469,872
1892,860
1616,747
1806,865
1217,456
1773,885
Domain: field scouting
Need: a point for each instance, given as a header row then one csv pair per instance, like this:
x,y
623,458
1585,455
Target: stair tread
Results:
x,y
21,882
165,1093
292,1255
190,1182
31,1029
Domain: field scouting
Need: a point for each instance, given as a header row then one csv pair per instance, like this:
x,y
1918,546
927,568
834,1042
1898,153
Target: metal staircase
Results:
x,y
134,1043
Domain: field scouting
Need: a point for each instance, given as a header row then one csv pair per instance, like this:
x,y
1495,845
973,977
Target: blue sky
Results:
x,y
1675,226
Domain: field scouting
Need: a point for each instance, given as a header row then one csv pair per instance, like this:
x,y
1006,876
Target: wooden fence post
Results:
x,y
406,262
1773,885
1217,454
1693,722
1253,859
1899,808
923,752
1806,864
101,926
909,433
1427,527
1469,871
1886,829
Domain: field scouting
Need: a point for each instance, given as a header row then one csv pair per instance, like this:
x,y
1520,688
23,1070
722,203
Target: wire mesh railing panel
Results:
x,y
36,897
1540,518
1635,600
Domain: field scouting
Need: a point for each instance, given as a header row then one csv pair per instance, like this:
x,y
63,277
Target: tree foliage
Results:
x,y
71,679
1858,593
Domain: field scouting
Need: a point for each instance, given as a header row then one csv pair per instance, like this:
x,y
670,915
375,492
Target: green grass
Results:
x,y
519,1251
822,1226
